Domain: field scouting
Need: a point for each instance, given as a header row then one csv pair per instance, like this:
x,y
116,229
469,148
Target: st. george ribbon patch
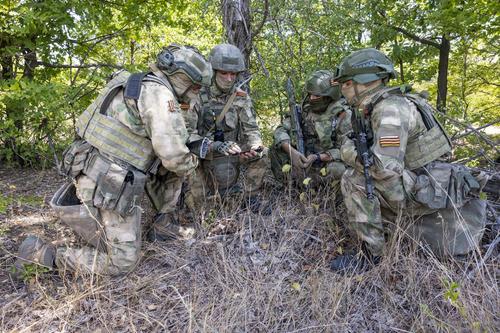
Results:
x,y
389,141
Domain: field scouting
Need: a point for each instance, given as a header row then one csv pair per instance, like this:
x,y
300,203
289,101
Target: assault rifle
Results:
x,y
360,138
296,116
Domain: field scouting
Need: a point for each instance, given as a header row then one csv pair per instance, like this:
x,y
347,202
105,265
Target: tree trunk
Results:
x,y
444,57
236,19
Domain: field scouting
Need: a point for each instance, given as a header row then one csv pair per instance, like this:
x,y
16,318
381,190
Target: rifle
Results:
x,y
360,138
296,116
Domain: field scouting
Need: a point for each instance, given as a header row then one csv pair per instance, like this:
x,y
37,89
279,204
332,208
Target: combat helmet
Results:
x,y
364,66
320,84
227,57
180,59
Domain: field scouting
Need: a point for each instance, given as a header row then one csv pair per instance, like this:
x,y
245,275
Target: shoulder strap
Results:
x,y
228,105
133,85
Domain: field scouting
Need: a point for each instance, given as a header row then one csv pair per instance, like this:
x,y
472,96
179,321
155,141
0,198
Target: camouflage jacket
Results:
x,y
239,123
322,131
158,118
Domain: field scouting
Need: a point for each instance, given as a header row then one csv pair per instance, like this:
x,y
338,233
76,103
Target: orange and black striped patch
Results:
x,y
171,106
389,141
241,93
184,106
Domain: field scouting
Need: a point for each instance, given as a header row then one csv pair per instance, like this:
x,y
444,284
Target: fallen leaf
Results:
x,y
296,286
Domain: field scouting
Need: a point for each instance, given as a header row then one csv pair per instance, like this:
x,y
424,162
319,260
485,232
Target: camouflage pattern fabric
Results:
x,y
158,118
122,238
323,133
395,123
239,125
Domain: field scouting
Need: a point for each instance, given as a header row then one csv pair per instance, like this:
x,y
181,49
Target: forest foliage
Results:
x,y
55,55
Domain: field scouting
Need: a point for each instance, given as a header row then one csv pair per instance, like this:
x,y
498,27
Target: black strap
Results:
x,y
107,100
133,85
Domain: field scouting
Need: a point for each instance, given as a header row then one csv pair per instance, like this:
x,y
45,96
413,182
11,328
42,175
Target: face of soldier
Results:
x,y
319,103
347,89
225,80
184,87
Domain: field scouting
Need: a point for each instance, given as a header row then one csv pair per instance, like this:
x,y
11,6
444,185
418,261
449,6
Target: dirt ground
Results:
x,y
242,273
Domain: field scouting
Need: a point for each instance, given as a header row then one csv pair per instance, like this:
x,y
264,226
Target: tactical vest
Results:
x,y
320,134
207,124
427,147
108,134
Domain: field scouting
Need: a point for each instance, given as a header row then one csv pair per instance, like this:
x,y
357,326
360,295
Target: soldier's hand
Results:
x,y
310,160
225,147
298,160
254,151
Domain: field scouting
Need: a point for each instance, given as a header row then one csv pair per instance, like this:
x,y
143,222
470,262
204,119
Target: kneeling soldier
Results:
x,y
133,126
324,119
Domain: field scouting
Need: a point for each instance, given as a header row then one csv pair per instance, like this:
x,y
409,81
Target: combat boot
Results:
x,y
33,250
166,227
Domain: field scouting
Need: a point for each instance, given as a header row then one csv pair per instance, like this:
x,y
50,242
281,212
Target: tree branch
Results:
x,y
415,37
97,65
264,19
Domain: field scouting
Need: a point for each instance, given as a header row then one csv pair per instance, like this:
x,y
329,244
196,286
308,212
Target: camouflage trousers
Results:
x,y
448,231
122,237
121,234
326,174
207,180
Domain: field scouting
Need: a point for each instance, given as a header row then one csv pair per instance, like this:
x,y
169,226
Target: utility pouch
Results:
x,y
444,185
74,157
110,187
131,195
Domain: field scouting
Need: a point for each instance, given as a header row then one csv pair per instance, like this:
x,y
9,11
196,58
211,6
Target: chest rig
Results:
x,y
109,135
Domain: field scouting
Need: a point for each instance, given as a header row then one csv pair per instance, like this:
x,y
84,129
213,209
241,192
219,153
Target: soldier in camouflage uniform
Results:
x,y
407,148
132,127
224,134
325,118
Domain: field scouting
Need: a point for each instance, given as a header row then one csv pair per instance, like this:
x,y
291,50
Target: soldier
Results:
x,y
406,170
134,125
325,118
224,134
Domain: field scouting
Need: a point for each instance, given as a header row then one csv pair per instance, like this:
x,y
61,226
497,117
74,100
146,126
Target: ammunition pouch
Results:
x,y
74,157
82,219
118,188
443,185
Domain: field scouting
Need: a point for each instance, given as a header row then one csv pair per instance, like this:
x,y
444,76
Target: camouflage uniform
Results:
x,y
240,126
324,119
157,122
405,155
217,172
323,133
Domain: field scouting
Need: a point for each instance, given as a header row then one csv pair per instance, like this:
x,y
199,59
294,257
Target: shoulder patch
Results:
x,y
389,141
171,106
241,93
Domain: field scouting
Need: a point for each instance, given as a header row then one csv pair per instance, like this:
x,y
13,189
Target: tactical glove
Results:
x,y
225,147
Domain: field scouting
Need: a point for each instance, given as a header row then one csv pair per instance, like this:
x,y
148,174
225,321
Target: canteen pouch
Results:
x,y
444,185
74,157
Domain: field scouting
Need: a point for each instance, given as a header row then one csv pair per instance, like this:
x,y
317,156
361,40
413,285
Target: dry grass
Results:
x,y
270,274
